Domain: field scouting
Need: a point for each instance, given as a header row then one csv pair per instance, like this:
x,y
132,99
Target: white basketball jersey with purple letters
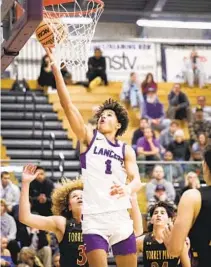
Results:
x,y
102,166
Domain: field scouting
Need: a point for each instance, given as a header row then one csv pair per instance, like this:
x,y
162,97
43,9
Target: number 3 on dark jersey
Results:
x,y
82,254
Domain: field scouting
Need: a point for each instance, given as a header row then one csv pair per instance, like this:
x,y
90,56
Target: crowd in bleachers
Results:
x,y
159,137
20,244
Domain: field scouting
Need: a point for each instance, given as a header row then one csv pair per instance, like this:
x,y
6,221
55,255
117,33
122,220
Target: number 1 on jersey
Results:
x,y
108,167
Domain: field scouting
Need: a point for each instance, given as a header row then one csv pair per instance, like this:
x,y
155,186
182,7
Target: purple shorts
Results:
x,y
124,247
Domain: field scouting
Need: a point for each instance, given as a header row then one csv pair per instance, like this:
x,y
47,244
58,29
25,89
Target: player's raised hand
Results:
x,y
29,173
167,234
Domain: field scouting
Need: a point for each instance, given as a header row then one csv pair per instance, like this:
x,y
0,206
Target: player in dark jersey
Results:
x,y
66,222
151,244
194,219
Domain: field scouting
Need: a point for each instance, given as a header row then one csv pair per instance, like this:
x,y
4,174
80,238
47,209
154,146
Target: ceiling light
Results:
x,y
173,24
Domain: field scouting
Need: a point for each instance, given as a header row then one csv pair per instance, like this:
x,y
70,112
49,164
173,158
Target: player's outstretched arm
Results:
x,y
132,175
140,243
132,170
25,215
184,257
72,113
175,237
136,216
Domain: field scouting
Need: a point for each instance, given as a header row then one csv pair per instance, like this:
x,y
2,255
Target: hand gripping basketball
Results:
x,y
29,173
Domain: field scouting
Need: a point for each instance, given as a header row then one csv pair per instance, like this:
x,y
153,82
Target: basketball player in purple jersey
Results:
x,y
106,163
194,219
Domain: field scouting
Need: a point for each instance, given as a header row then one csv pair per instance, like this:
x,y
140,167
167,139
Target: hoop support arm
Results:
x,y
21,32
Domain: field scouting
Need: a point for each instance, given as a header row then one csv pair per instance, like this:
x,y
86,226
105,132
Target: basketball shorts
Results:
x,y
111,229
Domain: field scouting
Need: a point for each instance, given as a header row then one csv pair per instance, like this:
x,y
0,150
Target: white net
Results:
x,y
73,25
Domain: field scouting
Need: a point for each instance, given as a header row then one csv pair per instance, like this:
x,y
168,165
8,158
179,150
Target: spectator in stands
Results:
x,y
139,132
53,242
200,144
153,110
199,125
36,240
167,135
148,147
97,67
5,257
191,182
46,77
9,191
131,93
66,75
193,70
148,83
158,179
179,147
196,166
201,101
173,172
179,107
40,193
28,256
9,231
159,195
56,259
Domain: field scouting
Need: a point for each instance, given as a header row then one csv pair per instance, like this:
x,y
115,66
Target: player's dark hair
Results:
x,y
170,209
4,173
144,119
97,49
207,156
40,168
119,110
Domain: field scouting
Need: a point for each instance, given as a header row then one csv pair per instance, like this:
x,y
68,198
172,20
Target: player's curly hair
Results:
x,y
170,209
119,110
60,196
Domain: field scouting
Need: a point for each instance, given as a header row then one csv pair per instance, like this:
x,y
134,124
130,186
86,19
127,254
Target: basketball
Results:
x,y
45,33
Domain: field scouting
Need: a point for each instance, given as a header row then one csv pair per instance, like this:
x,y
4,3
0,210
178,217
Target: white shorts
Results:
x,y
113,226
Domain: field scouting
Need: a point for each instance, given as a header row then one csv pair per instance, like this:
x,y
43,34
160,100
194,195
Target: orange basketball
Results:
x,y
45,33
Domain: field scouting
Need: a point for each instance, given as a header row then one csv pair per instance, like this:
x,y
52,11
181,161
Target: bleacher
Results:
x,y
28,122
20,142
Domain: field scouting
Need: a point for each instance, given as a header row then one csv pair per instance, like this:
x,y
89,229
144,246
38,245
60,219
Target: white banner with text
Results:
x,y
122,58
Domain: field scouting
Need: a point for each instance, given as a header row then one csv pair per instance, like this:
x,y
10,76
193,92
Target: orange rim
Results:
x,y
52,14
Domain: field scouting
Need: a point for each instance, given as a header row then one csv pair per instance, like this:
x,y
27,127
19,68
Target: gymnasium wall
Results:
x,y
29,59
172,33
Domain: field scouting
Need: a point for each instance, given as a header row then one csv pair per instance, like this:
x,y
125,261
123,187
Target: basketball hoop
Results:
x,y
78,19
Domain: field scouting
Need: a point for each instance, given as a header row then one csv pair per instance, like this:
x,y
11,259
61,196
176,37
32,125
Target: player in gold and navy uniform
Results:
x,y
152,246
72,249
66,222
194,219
